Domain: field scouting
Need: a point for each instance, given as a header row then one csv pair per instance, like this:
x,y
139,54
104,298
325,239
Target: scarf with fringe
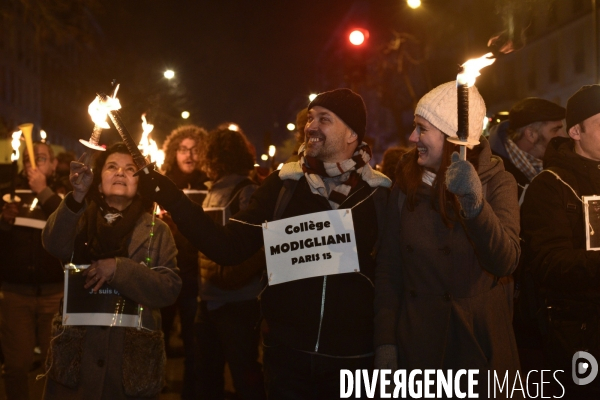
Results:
x,y
350,173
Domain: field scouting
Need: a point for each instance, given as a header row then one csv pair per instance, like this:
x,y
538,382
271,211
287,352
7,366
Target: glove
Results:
x,y
386,357
463,181
154,186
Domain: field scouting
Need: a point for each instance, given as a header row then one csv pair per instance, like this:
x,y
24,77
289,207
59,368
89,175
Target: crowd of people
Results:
x,y
483,262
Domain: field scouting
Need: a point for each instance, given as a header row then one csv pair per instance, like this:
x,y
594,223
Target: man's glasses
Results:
x,y
185,150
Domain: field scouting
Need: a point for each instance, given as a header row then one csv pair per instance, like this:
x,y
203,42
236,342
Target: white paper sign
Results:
x,y
310,245
591,210
107,307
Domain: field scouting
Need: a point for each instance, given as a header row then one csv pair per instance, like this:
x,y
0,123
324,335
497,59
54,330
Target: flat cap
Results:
x,y
534,109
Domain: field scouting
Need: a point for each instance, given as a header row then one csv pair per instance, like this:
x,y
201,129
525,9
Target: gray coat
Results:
x,y
438,291
101,373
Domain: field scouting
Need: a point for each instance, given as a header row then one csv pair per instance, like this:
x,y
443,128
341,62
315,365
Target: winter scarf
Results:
x,y
350,172
107,232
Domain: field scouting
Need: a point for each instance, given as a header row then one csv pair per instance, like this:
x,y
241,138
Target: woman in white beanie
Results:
x,y
442,294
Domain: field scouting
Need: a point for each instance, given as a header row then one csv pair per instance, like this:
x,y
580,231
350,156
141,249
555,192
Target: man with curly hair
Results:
x,y
182,148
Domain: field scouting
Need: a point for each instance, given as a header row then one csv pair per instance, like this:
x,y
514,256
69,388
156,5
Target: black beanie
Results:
x,y
583,104
534,109
347,105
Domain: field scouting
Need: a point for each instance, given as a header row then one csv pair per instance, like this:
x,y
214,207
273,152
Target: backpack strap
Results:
x,y
285,195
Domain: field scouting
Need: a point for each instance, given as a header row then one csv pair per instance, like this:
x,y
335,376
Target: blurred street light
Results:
x,y
358,36
185,115
271,151
169,74
312,96
413,3
233,127
264,157
291,127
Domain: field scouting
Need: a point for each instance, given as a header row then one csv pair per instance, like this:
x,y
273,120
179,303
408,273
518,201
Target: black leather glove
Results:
x,y
156,187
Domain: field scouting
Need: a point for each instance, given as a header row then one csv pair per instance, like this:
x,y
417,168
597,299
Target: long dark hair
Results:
x,y
409,174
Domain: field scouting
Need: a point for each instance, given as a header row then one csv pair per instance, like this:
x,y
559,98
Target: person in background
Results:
x,y
182,148
390,160
32,279
522,140
63,185
227,327
565,273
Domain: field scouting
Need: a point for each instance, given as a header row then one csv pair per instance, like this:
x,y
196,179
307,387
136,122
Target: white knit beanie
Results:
x,y
439,107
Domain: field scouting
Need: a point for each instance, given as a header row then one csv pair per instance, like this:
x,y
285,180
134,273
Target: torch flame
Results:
x,y
15,143
148,146
471,69
98,110
158,156
43,135
144,145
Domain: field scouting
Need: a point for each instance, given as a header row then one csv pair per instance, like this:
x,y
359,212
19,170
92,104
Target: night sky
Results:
x,y
252,62
241,61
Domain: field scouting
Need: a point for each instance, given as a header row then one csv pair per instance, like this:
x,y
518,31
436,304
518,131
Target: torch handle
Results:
x,y
95,138
136,154
463,153
463,112
14,169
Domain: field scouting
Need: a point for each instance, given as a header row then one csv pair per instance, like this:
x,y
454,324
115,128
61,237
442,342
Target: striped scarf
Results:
x,y
525,162
349,172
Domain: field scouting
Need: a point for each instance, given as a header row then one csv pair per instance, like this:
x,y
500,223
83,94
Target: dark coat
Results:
x,y
187,254
108,352
567,275
292,310
439,292
24,264
553,223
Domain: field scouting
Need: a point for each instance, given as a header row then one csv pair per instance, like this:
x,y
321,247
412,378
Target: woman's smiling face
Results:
x,y
430,143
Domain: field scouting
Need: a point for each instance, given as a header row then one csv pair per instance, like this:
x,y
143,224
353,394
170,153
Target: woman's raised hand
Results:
x,y
463,181
80,185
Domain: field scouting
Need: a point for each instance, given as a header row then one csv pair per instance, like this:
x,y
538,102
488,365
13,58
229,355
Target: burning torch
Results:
x,y
14,158
98,110
138,158
464,81
148,146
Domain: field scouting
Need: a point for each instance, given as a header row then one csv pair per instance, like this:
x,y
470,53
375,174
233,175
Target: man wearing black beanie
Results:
x,y
316,325
554,229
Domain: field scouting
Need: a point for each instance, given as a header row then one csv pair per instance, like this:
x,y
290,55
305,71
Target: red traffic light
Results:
x,y
358,36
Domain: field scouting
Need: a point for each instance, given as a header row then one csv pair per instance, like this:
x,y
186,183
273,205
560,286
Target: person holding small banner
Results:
x,y
443,298
121,269
318,219
559,217
32,282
